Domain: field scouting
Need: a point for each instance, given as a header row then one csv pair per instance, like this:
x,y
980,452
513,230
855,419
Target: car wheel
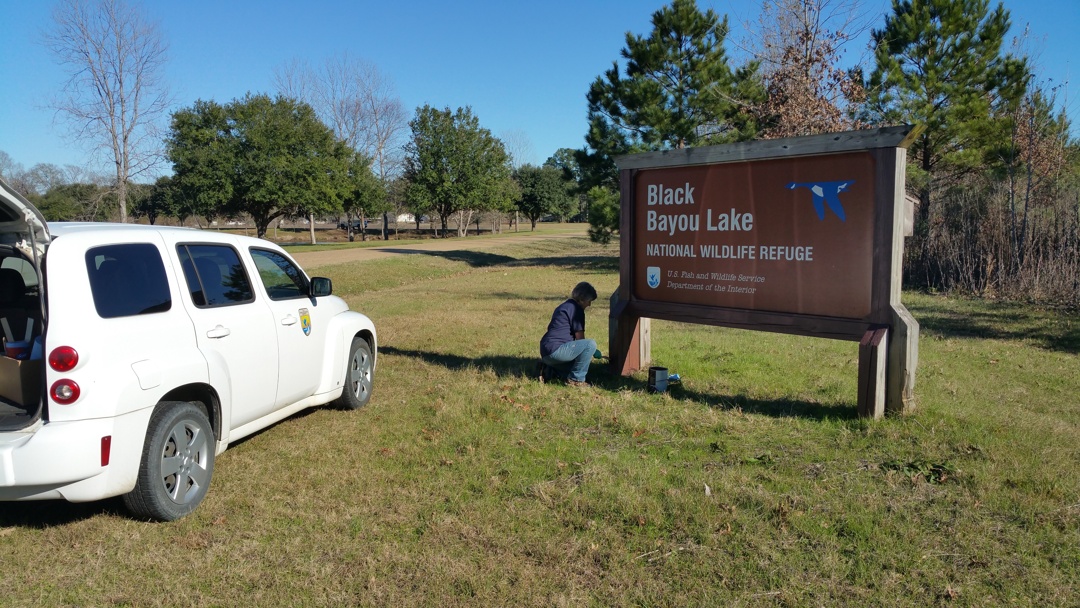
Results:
x,y
359,374
177,463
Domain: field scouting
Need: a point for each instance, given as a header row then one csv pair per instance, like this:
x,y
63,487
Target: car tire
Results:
x,y
359,376
177,463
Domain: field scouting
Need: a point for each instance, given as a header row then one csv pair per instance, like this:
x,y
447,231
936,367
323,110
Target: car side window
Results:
x,y
127,280
282,279
214,274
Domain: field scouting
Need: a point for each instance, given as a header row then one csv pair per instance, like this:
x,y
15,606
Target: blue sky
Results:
x,y
524,67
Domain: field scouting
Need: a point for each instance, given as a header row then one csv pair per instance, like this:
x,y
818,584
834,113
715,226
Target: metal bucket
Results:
x,y
658,379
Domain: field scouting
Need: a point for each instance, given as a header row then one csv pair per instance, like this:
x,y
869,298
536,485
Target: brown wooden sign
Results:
x,y
787,235
801,235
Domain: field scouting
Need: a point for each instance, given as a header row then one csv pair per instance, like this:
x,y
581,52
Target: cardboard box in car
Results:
x,y
20,380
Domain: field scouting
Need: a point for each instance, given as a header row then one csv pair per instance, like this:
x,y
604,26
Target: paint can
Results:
x,y
17,350
658,379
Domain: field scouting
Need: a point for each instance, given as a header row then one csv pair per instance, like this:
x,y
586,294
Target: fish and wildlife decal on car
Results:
x,y
305,321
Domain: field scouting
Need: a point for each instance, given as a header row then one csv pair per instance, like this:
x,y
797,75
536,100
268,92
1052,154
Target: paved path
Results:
x,y
314,259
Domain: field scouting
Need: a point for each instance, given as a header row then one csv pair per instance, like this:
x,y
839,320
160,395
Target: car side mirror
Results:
x,y
320,286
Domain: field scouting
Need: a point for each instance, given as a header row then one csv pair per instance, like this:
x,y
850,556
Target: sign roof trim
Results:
x,y
829,143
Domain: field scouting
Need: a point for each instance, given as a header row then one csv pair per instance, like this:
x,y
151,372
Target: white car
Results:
x,y
139,353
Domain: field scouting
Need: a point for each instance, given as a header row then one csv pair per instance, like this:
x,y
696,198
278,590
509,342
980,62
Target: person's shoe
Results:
x,y
578,383
541,372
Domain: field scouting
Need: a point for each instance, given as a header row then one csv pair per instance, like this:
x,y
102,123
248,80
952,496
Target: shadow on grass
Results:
x,y
476,259
41,514
601,377
777,408
1049,330
583,263
481,259
504,366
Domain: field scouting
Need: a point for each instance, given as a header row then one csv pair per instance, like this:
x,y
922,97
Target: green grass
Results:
x,y
398,239
357,244
753,483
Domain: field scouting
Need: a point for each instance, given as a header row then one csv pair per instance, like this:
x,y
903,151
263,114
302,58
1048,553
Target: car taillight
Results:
x,y
63,358
64,391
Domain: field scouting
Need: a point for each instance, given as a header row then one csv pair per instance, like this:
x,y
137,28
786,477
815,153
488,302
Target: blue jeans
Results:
x,y
573,357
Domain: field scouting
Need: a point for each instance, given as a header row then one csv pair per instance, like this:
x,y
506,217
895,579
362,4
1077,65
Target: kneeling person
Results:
x,y
564,346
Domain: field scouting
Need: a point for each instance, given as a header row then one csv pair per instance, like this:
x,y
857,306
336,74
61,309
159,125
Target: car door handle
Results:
x,y
218,332
288,320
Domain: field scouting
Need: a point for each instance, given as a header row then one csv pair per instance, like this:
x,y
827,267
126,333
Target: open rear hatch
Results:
x,y
24,236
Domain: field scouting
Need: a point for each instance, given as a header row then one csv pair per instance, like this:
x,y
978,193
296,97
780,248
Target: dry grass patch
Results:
x,y
465,482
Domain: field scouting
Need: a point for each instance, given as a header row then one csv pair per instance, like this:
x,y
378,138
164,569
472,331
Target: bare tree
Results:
x,y
387,122
293,79
43,177
386,126
358,103
13,173
519,146
115,95
800,46
355,100
8,165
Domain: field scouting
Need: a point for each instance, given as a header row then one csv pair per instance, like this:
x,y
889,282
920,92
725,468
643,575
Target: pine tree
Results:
x,y
677,90
940,63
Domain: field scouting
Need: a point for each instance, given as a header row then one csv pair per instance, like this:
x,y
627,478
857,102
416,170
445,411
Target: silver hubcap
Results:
x,y
183,462
360,374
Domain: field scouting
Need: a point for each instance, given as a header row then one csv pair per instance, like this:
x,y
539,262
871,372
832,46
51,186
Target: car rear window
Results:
x,y
128,280
25,268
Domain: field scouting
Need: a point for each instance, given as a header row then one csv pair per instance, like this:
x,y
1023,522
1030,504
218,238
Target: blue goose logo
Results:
x,y
826,192
653,276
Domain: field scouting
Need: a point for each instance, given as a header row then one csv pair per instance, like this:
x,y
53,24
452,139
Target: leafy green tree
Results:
x,y
678,90
203,151
940,63
268,158
604,207
153,201
138,196
364,195
76,203
454,166
358,102
543,192
566,161
504,199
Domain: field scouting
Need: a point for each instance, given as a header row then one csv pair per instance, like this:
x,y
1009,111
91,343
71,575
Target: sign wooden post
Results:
x,y
635,333
801,235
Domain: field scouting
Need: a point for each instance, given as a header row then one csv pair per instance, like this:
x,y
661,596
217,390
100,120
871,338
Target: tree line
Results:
x,y
995,173
332,140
